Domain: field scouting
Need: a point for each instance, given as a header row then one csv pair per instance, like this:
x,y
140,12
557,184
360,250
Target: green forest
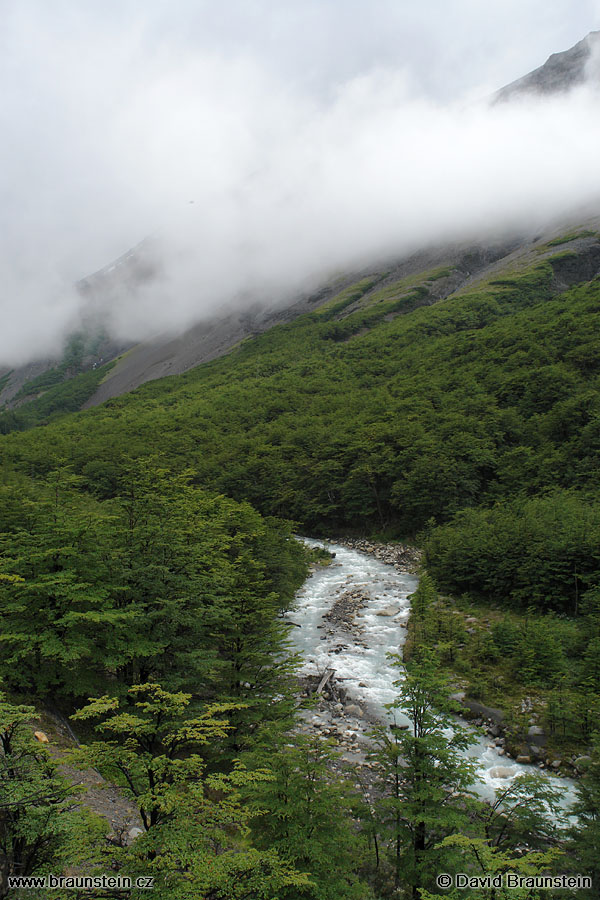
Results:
x,y
148,556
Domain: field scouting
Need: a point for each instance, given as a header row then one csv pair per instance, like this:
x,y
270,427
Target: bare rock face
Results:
x,y
535,731
560,72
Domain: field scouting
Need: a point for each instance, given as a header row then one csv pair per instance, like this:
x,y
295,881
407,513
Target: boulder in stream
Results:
x,y
502,772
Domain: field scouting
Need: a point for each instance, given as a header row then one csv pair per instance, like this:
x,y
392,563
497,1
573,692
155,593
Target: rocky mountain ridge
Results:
x,y
560,73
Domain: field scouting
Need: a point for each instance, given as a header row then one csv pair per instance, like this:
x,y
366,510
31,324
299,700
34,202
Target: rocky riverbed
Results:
x,y
336,716
403,557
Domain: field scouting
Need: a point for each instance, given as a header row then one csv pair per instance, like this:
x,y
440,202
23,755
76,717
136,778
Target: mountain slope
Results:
x,y
560,72
424,278
454,268
119,281
378,409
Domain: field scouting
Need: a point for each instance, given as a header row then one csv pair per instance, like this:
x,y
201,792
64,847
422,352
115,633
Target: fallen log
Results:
x,y
326,677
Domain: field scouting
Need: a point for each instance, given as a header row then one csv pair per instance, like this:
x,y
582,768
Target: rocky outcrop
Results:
x,y
561,72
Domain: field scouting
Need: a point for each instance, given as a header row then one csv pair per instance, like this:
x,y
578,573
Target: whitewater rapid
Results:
x,y
362,660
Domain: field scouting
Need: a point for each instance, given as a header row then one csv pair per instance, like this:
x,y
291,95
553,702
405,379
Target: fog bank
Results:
x,y
254,185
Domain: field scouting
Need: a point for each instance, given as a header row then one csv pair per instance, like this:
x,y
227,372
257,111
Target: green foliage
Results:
x,y
442,272
483,861
433,626
527,813
535,648
56,397
53,547
346,298
538,552
303,812
164,582
76,348
488,396
190,862
149,746
41,825
571,236
425,777
504,656
426,783
124,565
585,833
195,827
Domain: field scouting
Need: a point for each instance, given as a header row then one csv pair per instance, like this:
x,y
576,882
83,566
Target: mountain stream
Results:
x,y
378,596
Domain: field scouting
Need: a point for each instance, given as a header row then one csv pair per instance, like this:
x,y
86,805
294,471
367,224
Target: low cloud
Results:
x,y
253,186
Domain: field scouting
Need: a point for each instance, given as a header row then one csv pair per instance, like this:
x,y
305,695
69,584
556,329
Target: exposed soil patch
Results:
x,y
100,796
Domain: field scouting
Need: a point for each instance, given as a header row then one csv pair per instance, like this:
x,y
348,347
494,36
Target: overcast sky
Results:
x,y
277,118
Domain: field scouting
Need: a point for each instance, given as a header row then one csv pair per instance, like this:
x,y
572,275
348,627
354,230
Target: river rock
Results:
x,y
582,762
489,712
346,608
353,710
134,833
401,556
387,611
501,772
525,760
535,731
